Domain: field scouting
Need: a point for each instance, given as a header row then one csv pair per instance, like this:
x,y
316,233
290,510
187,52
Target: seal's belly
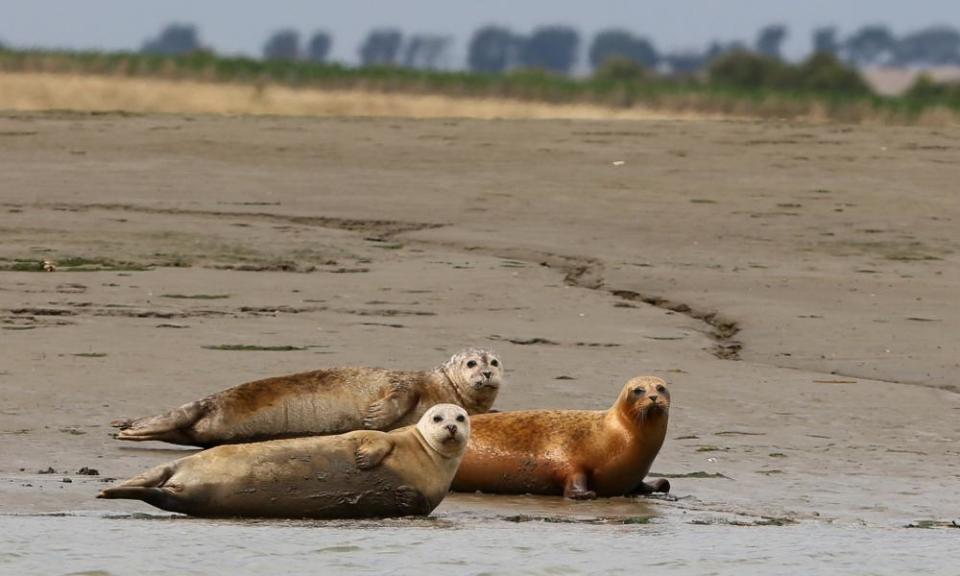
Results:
x,y
509,474
299,484
305,414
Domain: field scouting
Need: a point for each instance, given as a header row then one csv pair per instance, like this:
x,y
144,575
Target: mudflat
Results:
x,y
796,284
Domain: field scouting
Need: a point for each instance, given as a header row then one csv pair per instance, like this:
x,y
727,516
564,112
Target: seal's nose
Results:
x,y
487,374
653,398
451,428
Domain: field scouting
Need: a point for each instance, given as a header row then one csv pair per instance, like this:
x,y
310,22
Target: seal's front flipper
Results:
x,y
411,502
384,412
576,487
371,451
658,485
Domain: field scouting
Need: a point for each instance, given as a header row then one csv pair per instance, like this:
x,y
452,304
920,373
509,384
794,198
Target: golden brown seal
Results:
x,y
577,453
360,474
331,401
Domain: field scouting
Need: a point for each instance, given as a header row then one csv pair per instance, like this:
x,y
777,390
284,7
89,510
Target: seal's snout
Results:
x,y
486,382
487,374
653,398
452,429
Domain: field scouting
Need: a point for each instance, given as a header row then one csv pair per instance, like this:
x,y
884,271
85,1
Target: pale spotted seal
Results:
x,y
330,401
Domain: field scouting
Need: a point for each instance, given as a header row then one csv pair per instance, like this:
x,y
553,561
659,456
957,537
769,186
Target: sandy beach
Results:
x,y
796,285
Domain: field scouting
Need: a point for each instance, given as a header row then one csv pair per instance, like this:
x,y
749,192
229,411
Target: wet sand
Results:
x,y
125,543
795,284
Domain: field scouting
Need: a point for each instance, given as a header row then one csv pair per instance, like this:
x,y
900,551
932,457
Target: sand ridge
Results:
x,y
46,91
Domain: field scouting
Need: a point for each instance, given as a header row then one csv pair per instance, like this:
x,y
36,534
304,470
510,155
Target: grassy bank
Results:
x,y
650,91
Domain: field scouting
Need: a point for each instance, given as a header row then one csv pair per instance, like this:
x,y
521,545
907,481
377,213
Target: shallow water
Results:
x,y
512,537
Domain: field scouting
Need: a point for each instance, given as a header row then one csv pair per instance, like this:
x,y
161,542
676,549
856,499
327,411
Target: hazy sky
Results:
x,y
241,26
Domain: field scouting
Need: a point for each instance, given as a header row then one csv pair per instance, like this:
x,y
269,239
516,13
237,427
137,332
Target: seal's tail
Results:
x,y
174,426
148,487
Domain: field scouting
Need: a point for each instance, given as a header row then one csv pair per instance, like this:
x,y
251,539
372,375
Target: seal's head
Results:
x,y
644,398
475,372
446,428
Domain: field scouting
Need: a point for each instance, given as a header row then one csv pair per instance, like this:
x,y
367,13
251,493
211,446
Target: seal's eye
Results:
x,y
438,418
638,392
461,418
494,363
660,388
472,364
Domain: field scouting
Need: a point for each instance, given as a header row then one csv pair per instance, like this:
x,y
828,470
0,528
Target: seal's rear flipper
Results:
x,y
149,487
159,497
128,493
155,477
174,426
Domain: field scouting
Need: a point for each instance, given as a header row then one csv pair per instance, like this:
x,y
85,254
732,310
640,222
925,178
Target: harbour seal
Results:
x,y
330,401
361,474
581,454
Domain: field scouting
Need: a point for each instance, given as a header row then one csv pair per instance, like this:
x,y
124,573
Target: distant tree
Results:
x,y
825,41
493,49
870,45
551,48
939,45
770,39
425,51
824,72
318,49
282,45
622,44
381,48
718,49
820,73
749,71
685,63
928,91
174,39
620,69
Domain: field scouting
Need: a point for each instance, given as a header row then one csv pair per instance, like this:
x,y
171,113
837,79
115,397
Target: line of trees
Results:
x,y
877,45
286,45
388,47
497,49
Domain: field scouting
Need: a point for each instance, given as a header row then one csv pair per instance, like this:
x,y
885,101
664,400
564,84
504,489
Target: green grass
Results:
x,y
762,521
71,264
699,474
683,94
933,524
196,296
521,518
24,266
251,348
